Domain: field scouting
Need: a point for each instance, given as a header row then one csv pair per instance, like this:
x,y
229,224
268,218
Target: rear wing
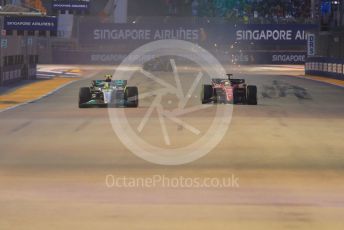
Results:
x,y
120,83
219,81
235,81
98,83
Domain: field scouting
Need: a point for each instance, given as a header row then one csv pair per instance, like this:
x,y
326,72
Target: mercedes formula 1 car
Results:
x,y
227,91
114,93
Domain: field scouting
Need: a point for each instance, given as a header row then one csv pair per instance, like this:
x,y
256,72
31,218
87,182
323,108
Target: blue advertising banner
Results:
x,y
275,57
30,23
71,4
293,34
109,33
247,58
273,33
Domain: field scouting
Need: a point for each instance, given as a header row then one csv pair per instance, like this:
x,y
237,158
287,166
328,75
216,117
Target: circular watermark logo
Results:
x,y
197,128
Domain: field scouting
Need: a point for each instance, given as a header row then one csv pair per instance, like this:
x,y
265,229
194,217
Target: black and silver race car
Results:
x,y
105,93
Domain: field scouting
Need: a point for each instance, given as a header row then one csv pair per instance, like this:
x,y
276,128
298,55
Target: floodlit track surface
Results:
x,y
287,154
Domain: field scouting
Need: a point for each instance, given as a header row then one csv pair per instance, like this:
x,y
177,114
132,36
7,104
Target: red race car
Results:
x,y
228,91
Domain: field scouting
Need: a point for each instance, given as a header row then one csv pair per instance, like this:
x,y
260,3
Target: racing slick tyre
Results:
x,y
239,96
131,97
84,96
252,95
207,94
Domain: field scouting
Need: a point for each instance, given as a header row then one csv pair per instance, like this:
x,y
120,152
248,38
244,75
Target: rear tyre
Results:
x,y
239,96
131,97
252,95
207,94
84,97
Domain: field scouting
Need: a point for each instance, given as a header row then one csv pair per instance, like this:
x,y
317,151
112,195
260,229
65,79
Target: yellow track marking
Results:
x,y
31,91
74,71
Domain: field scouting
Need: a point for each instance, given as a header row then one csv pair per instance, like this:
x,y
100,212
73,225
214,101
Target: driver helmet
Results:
x,y
108,77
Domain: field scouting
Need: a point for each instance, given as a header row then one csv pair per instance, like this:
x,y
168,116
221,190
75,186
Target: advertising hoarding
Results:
x,y
70,4
30,23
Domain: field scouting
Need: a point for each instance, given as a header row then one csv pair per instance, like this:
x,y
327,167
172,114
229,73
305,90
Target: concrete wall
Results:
x,y
19,57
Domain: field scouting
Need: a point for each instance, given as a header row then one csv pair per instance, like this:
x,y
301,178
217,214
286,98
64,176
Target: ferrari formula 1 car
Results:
x,y
228,91
108,93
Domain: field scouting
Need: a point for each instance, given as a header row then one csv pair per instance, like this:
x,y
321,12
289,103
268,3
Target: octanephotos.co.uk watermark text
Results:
x,y
163,181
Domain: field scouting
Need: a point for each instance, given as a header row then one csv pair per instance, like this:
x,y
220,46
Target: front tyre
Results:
x,y
84,97
131,97
207,94
252,95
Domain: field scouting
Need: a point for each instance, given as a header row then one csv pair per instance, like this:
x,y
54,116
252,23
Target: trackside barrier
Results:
x,y
324,66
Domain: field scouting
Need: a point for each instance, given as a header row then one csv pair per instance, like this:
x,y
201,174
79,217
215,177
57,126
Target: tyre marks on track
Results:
x,y
20,127
83,125
281,89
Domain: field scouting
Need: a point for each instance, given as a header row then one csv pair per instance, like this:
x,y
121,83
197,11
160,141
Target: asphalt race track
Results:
x,y
287,153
